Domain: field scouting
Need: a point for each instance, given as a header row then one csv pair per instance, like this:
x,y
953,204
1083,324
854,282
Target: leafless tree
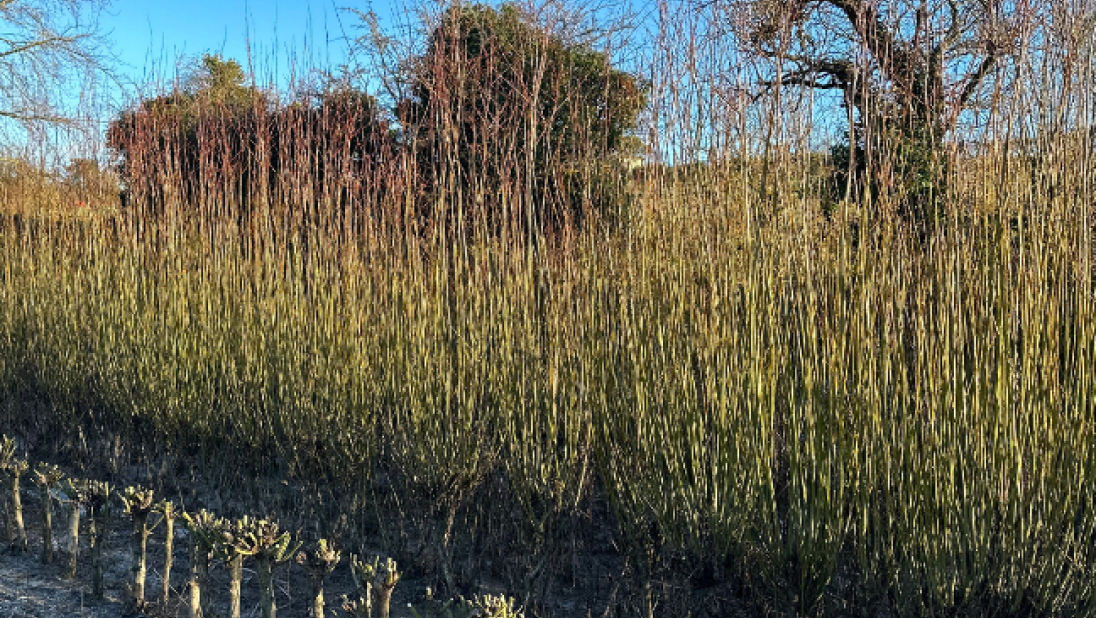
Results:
x,y
51,52
906,70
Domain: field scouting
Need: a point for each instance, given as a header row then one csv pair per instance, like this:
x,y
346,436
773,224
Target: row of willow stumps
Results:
x,y
211,538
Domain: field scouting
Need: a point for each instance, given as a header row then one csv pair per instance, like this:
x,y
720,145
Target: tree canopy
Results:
x,y
502,103
906,69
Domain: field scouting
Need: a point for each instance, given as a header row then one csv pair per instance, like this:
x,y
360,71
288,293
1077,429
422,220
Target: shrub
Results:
x,y
504,111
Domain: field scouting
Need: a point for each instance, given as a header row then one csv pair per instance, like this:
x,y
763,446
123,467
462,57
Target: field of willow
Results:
x,y
737,396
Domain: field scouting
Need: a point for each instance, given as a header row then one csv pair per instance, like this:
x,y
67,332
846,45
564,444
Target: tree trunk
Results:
x,y
263,569
47,526
21,543
199,573
74,540
139,566
317,597
384,599
169,558
236,576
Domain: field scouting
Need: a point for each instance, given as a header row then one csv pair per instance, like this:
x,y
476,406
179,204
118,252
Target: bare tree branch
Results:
x,y
27,116
976,78
910,57
44,42
51,52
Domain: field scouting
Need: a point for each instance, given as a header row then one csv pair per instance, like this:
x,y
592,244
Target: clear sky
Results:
x,y
154,41
151,37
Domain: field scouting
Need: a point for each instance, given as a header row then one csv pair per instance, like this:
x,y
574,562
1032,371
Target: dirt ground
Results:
x,y
30,589
589,581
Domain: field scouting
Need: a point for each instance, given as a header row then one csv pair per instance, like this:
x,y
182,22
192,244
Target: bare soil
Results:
x,y
587,578
29,589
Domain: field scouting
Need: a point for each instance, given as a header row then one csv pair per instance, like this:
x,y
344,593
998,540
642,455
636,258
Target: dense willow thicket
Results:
x,y
801,399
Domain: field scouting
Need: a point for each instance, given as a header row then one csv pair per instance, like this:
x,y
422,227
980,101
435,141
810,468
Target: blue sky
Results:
x,y
150,37
153,41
